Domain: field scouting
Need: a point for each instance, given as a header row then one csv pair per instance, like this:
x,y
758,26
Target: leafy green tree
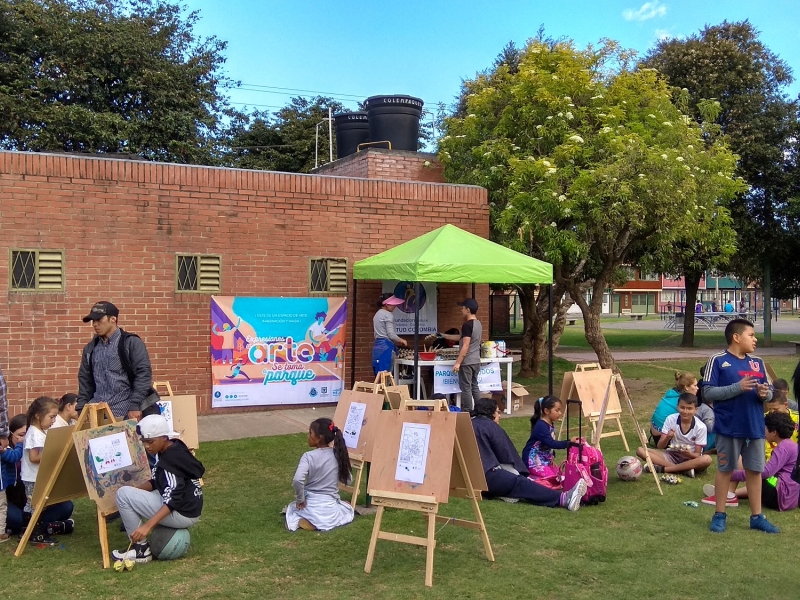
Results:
x,y
729,63
585,158
284,141
126,76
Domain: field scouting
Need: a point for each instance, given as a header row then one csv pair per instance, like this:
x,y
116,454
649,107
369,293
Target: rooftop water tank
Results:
x,y
394,118
352,129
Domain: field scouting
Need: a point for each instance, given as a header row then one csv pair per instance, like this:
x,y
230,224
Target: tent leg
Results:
x,y
550,340
416,339
473,291
353,337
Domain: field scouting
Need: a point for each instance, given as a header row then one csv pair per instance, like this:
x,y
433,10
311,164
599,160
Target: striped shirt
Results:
x,y
110,379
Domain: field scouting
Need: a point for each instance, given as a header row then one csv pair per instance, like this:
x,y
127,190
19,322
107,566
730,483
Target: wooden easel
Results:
x,y
383,380
361,456
462,477
61,482
590,384
616,380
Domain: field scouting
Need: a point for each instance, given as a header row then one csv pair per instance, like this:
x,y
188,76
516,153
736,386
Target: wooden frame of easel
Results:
x,y
569,389
381,382
92,415
461,485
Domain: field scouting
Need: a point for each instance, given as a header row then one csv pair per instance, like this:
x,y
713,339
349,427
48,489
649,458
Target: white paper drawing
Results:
x,y
110,453
413,453
165,406
352,428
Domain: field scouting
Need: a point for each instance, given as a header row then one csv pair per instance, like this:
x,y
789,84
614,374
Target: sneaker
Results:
x,y
690,473
4,537
61,527
40,538
509,500
718,522
712,500
657,468
139,553
760,523
573,499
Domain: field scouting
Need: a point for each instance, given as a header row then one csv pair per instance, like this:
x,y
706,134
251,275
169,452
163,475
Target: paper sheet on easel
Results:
x,y
413,455
165,408
352,428
110,453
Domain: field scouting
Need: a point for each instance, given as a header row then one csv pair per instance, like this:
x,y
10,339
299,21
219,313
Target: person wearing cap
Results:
x,y
115,367
468,362
386,338
173,497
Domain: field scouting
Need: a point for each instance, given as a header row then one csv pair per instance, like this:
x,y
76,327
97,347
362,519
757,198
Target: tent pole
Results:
x,y
416,339
353,337
473,291
550,340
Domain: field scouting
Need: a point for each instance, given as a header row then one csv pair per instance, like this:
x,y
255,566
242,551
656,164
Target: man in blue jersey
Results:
x,y
738,385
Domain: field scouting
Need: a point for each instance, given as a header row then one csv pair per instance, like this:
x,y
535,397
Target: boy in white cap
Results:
x,y
173,497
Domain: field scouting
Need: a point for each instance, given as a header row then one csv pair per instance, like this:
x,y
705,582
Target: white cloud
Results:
x,y
647,11
663,34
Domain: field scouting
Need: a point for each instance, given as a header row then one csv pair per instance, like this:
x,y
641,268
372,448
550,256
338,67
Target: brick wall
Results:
x,y
121,223
380,163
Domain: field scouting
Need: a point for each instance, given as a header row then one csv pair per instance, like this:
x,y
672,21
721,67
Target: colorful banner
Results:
x,y
268,351
404,315
445,381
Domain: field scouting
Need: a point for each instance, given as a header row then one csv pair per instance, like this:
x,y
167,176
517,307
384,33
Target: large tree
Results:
x,y
585,158
729,63
127,76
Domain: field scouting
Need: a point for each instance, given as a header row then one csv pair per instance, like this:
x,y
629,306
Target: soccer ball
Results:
x,y
629,468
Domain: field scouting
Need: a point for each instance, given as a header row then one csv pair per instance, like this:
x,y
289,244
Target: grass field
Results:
x,y
636,545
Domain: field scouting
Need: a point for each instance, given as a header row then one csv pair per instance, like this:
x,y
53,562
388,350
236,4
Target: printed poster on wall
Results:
x,y
404,314
269,351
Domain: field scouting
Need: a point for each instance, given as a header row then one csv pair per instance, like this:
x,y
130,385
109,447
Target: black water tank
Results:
x,y
394,118
352,129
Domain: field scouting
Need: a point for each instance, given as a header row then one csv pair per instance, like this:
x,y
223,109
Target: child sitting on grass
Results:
x,y
317,504
539,452
683,436
778,491
684,382
780,403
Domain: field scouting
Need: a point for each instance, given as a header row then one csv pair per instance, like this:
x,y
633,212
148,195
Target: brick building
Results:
x,y
80,229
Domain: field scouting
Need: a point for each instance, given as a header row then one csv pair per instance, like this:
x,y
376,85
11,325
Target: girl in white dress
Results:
x,y
317,504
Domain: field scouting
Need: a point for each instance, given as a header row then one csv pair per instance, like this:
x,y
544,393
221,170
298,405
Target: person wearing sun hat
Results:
x,y
386,338
173,497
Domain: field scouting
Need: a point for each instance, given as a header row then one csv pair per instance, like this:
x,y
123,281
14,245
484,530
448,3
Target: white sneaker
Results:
x,y
509,500
575,494
139,553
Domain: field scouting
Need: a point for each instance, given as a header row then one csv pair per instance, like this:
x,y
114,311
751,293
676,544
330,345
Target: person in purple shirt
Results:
x,y
737,383
778,491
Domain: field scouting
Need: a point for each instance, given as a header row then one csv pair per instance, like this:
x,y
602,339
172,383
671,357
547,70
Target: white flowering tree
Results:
x,y
585,159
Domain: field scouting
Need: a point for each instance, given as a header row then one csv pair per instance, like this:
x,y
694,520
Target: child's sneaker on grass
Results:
x,y
760,523
40,538
572,501
656,468
509,500
711,497
61,527
139,553
690,473
718,522
4,537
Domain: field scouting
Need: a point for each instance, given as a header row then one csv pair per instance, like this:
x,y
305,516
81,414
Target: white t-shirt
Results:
x,y
697,435
61,422
34,438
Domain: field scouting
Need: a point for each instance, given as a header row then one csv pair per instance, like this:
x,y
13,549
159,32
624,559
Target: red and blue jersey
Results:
x,y
741,416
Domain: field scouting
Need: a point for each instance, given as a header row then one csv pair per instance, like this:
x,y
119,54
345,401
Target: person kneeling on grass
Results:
x,y
317,504
173,497
778,490
506,474
684,437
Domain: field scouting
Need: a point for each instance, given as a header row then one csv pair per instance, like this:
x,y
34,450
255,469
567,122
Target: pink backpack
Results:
x,y
585,461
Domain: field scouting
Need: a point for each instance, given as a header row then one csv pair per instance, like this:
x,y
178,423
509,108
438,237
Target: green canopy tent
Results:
x,y
450,255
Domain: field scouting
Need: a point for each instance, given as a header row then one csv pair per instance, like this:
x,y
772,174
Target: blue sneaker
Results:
x,y
718,522
760,523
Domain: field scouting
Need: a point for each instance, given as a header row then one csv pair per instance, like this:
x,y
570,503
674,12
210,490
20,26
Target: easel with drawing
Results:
x,y
408,474
357,416
68,468
592,386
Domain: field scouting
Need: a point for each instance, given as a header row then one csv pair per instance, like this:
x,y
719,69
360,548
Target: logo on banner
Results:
x,y
313,392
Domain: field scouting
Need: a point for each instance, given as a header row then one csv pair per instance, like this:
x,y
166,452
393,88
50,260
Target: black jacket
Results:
x,y
176,476
135,361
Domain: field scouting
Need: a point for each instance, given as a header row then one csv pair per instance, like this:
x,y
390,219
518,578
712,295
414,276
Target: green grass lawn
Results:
x,y
649,339
636,545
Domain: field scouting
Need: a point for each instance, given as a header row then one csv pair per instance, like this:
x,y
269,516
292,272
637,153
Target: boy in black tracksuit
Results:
x,y
173,497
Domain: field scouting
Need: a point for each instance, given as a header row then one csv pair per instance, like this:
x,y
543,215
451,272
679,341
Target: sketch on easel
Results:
x,y
165,408
352,428
110,453
413,454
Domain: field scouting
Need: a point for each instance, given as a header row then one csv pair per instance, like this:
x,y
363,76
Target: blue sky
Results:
x,y
351,50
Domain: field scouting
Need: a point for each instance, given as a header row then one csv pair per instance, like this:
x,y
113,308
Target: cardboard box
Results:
x,y
518,393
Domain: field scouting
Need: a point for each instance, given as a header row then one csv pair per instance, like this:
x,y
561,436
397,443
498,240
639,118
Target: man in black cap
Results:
x,y
468,363
115,367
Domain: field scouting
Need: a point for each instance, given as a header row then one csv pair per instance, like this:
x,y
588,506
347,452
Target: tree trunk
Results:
x,y
591,321
534,319
767,295
692,280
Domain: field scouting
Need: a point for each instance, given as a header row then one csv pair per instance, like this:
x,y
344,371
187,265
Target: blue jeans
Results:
x,y
57,512
504,483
